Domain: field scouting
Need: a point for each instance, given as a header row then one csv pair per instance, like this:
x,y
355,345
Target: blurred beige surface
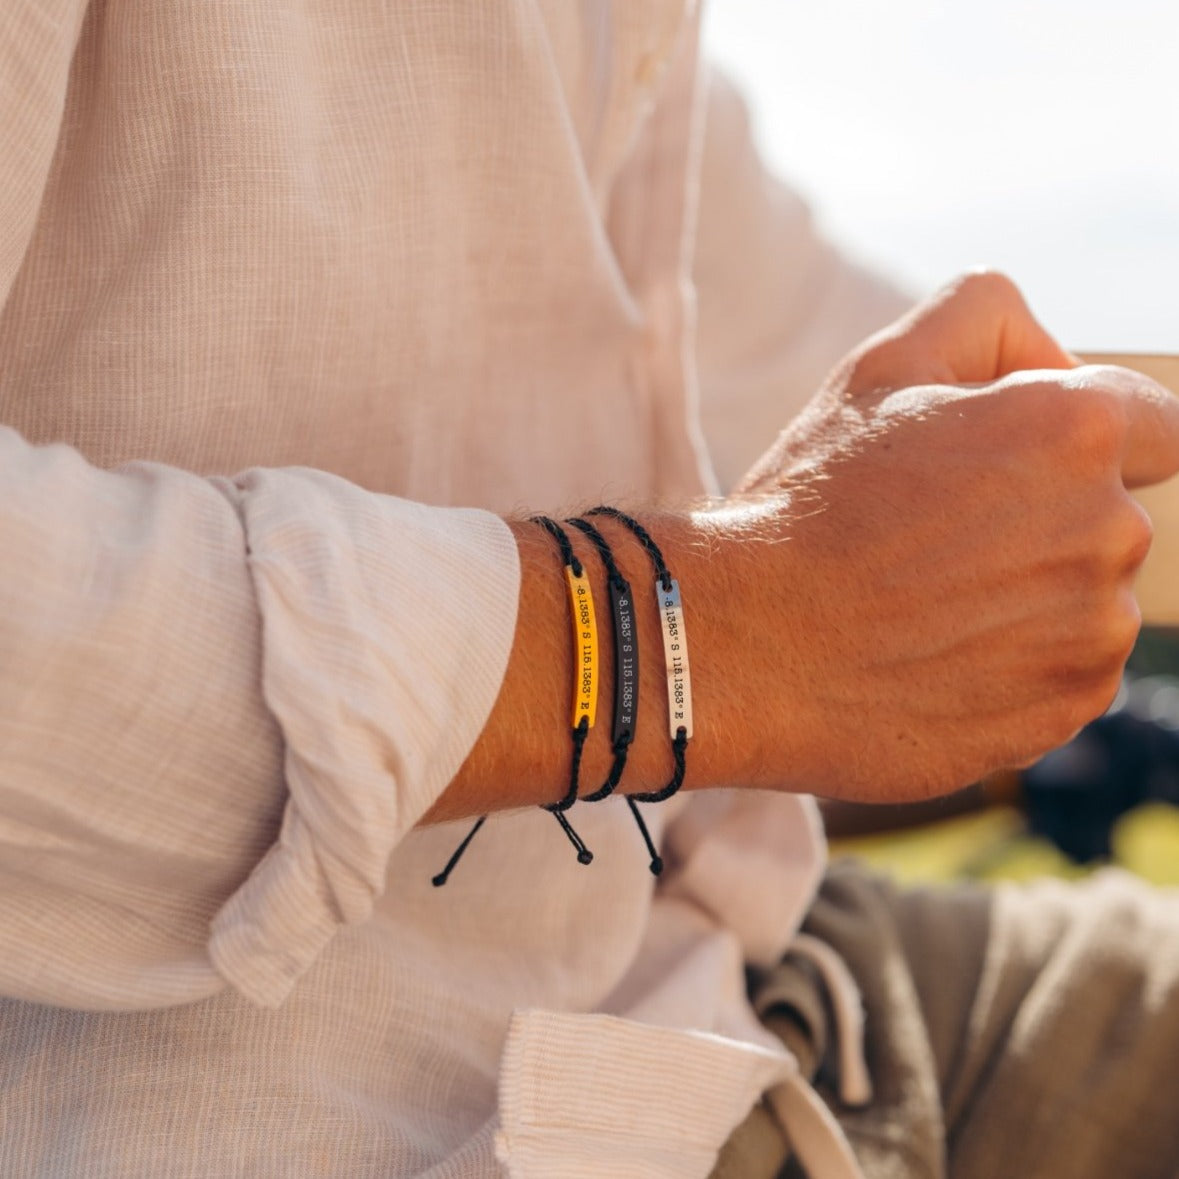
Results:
x,y
1158,583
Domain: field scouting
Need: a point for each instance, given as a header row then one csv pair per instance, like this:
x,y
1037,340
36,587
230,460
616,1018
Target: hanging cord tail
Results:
x,y
584,855
444,875
656,859
558,809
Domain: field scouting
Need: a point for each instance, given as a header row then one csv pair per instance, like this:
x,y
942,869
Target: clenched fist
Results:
x,y
954,583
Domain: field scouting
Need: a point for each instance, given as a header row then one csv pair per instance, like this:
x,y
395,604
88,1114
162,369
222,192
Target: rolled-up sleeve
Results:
x,y
223,702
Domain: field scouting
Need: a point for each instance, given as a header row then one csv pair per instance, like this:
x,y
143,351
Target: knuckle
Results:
x,y
1099,695
1139,535
1083,667
868,370
992,286
1023,747
1090,427
1056,728
1123,540
1108,632
1088,699
1119,632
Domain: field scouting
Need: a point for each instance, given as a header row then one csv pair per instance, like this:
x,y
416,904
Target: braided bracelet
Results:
x,y
675,650
585,693
626,681
585,673
626,660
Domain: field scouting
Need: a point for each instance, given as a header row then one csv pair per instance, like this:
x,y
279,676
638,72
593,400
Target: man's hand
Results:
x,y
958,594
928,577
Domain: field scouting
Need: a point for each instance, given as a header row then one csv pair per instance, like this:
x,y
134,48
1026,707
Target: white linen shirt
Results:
x,y
293,298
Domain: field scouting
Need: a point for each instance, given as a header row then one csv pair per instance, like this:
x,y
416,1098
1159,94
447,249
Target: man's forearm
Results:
x,y
523,755
930,577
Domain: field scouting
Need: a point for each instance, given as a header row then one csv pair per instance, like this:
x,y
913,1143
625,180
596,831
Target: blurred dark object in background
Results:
x,y
1075,794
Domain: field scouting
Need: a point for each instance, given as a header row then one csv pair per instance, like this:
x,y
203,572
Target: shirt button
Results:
x,y
650,68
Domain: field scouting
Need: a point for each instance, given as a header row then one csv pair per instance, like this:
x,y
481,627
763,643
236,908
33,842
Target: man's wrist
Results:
x,y
729,592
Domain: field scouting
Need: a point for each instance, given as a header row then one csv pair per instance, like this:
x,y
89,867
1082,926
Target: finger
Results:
x,y
977,329
1152,431
1150,451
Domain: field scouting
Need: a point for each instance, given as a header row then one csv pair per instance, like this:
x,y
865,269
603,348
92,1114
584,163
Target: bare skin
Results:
x,y
928,577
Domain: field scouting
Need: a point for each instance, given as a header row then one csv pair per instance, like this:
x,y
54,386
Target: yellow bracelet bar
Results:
x,y
585,648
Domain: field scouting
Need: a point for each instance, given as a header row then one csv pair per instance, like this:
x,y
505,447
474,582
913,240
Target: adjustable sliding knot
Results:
x,y
579,734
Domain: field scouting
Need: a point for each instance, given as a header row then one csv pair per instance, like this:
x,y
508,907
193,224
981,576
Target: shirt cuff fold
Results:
x,y
386,630
576,1095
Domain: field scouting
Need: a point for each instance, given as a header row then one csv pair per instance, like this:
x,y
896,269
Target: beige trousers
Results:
x,y
1028,1032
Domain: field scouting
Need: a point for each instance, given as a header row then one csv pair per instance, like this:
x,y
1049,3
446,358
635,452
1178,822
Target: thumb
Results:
x,y
975,330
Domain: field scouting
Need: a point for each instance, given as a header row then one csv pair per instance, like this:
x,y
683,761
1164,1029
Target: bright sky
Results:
x,y
1041,136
